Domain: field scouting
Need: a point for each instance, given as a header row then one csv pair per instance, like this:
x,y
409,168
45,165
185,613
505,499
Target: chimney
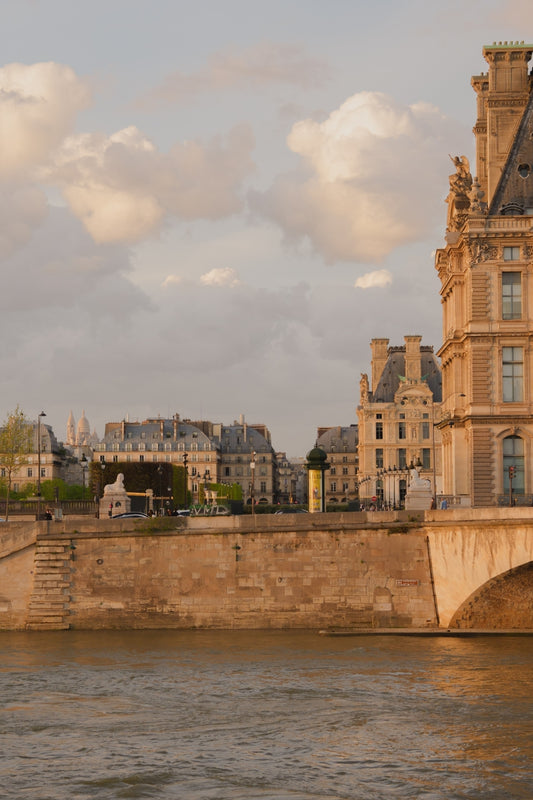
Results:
x,y
379,349
413,364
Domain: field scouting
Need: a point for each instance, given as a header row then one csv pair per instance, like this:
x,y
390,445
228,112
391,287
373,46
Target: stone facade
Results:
x,y
341,446
486,274
397,421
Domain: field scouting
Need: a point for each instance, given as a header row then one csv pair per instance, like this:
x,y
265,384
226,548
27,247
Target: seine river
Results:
x,y
269,715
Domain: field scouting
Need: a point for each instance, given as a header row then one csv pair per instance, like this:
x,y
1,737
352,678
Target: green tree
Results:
x,y
16,443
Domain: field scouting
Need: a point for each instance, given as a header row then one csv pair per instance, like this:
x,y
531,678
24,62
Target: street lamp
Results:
x,y
185,459
42,414
252,487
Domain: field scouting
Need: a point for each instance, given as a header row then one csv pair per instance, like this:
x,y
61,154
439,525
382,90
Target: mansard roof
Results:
x,y
514,193
394,371
338,437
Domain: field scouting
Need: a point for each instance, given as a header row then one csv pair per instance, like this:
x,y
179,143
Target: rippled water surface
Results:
x,y
273,716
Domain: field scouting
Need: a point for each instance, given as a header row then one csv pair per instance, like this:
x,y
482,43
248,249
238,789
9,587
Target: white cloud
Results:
x,y
172,280
372,280
123,189
38,107
367,178
220,276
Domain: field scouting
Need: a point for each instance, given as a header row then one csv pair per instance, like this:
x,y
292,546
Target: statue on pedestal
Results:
x,y
115,500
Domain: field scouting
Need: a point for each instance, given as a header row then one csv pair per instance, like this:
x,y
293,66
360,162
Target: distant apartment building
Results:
x,y
398,415
248,458
213,452
158,440
50,462
341,445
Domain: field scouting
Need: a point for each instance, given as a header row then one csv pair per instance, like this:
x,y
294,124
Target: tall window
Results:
x,y
402,458
379,458
426,458
425,430
511,295
511,253
401,430
513,374
379,430
513,456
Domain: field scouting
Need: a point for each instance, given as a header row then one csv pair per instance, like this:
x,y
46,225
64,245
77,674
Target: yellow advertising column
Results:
x,y
316,466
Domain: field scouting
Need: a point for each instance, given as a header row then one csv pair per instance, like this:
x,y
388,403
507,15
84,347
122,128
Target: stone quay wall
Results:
x,y
308,571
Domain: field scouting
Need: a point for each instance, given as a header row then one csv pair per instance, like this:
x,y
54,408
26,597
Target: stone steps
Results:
x,y
49,602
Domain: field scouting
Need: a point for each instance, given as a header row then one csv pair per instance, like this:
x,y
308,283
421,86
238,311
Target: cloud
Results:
x,y
38,107
366,181
172,280
371,280
263,64
221,276
123,188
22,208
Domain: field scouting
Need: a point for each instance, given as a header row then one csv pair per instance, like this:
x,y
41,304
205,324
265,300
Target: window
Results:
x,y
425,430
115,459
513,456
141,458
333,486
511,295
379,458
345,459
43,472
345,470
379,430
263,487
426,458
30,472
333,471
401,431
345,487
513,374
511,253
227,471
402,458
102,459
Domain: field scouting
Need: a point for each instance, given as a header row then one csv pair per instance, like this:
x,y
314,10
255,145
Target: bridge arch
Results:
x,y
473,556
504,602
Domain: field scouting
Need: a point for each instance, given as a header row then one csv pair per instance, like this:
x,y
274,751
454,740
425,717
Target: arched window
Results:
x,y
513,456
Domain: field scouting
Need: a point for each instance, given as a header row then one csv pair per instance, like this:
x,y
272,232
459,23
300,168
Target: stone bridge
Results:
x,y
482,565
450,569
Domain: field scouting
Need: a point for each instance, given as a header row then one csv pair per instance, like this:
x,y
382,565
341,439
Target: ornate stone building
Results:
x,y
486,274
397,414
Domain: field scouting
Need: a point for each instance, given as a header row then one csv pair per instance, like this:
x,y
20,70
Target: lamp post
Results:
x,y
185,459
252,486
98,486
42,414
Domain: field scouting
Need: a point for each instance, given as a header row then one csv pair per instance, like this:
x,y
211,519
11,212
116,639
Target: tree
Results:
x,y
16,442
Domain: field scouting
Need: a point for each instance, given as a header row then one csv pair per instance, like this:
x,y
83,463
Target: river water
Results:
x,y
215,715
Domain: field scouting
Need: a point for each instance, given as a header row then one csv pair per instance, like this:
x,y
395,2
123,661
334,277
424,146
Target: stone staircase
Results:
x,y
49,603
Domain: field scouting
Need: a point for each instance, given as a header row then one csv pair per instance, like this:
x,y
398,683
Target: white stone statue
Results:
x,y
418,497
417,483
117,487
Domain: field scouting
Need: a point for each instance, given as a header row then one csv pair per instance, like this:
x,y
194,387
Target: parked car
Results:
x,y
131,515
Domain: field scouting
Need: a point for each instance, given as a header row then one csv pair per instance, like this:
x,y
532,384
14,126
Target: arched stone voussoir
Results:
x,y
502,603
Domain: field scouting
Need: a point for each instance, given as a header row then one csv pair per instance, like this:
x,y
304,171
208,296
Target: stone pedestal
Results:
x,y
419,496
115,500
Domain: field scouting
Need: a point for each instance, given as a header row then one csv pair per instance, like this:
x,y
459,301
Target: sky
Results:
x,y
211,208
